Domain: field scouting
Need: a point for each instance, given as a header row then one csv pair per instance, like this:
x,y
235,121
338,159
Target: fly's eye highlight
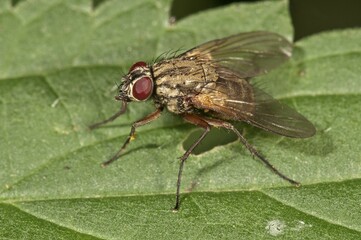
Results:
x,y
142,88
138,65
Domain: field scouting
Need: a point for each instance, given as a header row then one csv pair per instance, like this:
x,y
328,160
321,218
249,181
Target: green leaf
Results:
x,y
59,62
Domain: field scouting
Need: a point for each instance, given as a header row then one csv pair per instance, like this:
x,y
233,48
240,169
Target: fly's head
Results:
x,y
137,85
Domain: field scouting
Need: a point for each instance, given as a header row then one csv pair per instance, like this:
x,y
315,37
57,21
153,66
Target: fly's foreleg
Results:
x,y
151,117
112,118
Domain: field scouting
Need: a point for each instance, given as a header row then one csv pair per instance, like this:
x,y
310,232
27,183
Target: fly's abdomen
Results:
x,y
228,100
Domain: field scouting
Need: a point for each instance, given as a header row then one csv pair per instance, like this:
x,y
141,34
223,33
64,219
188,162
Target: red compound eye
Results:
x,y
142,88
137,65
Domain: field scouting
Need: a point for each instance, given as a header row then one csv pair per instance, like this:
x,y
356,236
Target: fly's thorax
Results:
x,y
178,80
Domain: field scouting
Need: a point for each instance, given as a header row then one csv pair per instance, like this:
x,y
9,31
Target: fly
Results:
x,y
210,86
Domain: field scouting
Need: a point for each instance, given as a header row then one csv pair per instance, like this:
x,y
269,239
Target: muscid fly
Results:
x,y
209,86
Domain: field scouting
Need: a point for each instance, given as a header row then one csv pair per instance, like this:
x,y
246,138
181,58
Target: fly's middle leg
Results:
x,y
199,121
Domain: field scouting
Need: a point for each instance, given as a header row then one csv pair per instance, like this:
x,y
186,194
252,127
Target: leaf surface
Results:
x,y
59,62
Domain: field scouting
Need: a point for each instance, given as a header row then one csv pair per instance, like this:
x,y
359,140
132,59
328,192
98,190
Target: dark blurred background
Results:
x,y
308,16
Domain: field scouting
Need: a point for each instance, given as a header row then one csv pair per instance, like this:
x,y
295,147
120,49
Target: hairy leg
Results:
x,y
254,152
151,117
199,121
112,118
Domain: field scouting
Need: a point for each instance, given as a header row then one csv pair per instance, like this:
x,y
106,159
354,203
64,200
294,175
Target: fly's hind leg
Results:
x,y
200,122
254,152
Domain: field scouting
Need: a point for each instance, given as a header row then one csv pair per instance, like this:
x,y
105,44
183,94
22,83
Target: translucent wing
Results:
x,y
249,54
272,115
232,98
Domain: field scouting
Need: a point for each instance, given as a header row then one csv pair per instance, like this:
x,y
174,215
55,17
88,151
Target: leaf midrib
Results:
x,y
273,198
